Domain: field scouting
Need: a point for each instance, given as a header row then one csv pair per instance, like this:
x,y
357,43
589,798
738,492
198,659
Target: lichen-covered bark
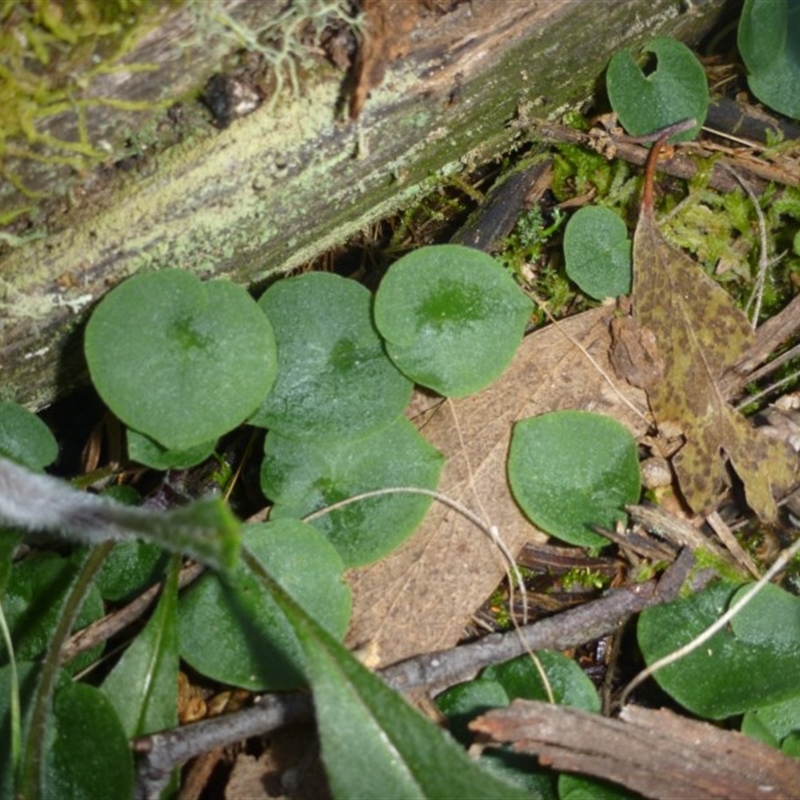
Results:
x,y
287,182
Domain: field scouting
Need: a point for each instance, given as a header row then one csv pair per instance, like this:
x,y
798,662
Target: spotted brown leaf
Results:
x,y
700,334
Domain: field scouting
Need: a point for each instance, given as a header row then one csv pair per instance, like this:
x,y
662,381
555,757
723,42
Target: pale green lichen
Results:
x,y
54,53
50,53
282,39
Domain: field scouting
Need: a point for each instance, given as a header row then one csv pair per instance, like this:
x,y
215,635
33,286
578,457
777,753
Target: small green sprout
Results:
x,y
584,578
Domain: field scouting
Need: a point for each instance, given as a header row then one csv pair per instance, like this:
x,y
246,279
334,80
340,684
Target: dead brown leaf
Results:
x,y
700,334
420,598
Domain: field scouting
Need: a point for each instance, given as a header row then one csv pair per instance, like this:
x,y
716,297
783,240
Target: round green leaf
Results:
x,y
303,477
597,252
234,632
520,678
452,318
147,451
24,438
334,378
755,665
498,686
180,360
769,41
465,701
674,91
571,469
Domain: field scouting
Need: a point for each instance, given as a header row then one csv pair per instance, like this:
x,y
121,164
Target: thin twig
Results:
x,y
162,752
105,627
720,527
769,390
490,530
682,164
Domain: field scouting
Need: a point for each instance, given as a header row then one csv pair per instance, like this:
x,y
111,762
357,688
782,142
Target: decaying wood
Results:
x,y
656,753
293,178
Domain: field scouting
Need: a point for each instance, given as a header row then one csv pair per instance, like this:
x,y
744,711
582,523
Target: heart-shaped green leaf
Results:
x,y
500,684
452,317
597,252
303,477
674,91
179,360
24,438
755,664
769,41
334,378
520,678
233,631
571,469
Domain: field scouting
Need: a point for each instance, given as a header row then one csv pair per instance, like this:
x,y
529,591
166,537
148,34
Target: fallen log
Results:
x,y
439,94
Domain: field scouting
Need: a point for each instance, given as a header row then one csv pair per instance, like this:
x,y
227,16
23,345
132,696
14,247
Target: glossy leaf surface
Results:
x,y
334,378
234,632
180,360
675,90
302,477
452,318
571,469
